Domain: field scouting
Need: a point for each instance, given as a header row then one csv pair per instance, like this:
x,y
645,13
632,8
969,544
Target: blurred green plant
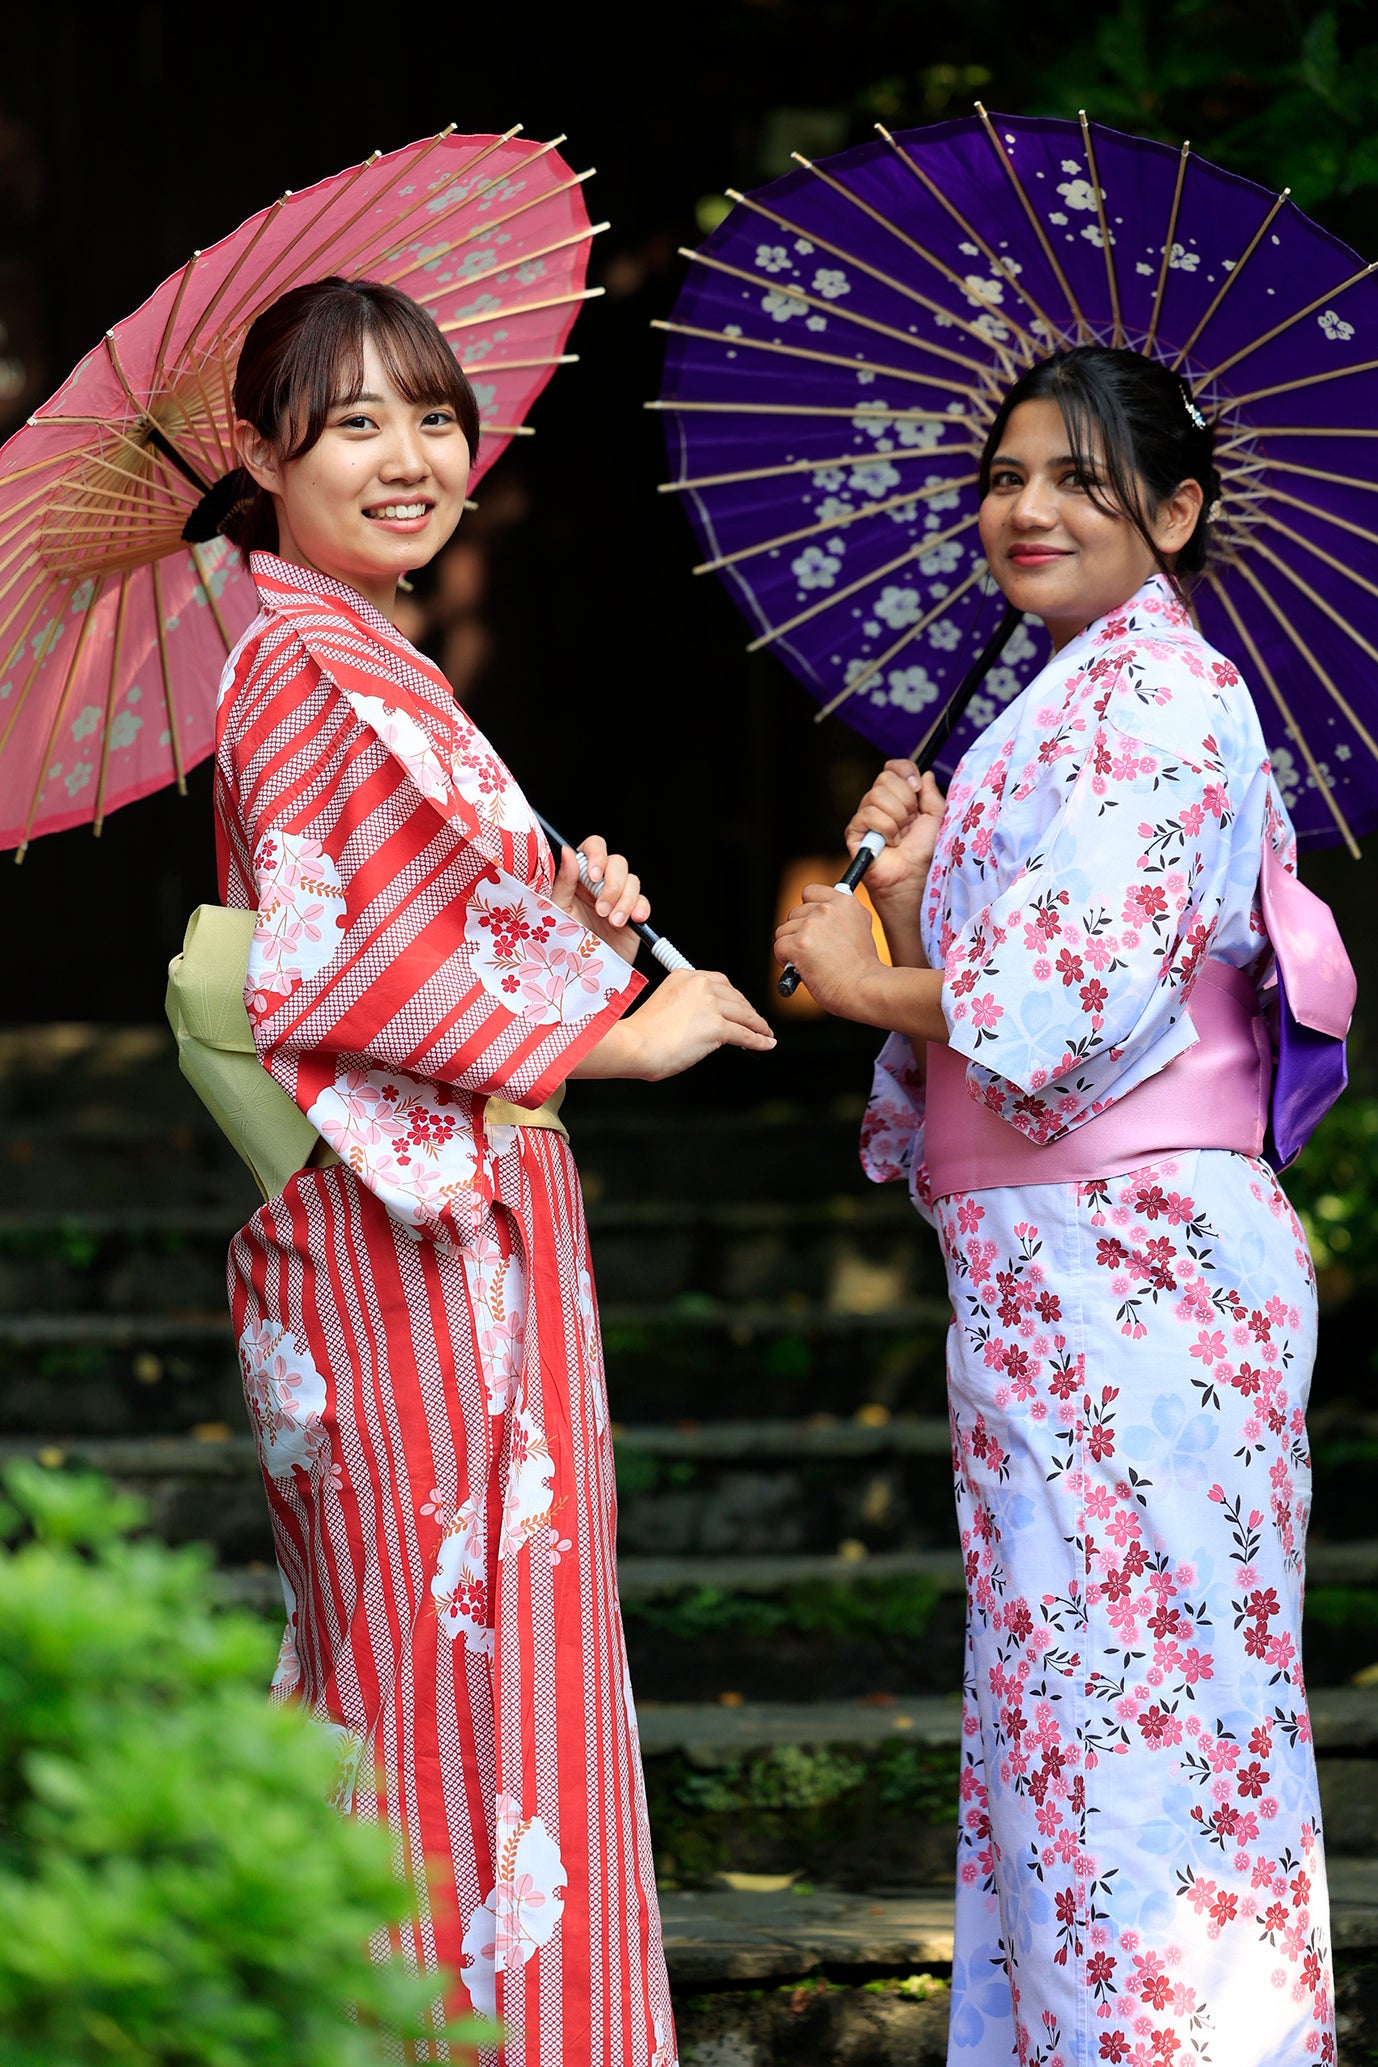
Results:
x,y
895,1612
175,1888
1334,1187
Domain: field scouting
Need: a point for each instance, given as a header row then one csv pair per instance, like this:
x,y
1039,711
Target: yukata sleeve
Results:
x,y
1070,987
388,939
892,1131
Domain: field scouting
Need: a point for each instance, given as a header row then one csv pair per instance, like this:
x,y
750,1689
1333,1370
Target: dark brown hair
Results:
x,y
1150,434
305,354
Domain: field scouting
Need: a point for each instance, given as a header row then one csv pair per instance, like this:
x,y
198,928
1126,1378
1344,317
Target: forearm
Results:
x,y
904,1000
900,920
620,1053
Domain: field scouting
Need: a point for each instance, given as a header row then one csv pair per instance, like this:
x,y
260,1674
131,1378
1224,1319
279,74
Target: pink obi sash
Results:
x,y
1213,1095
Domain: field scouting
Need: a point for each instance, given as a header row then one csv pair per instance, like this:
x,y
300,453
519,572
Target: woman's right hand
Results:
x,y
907,809
687,1016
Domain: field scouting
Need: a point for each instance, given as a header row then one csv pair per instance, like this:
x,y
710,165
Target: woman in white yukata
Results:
x,y
1076,1089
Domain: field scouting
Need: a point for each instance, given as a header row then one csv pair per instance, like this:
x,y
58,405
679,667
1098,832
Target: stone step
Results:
x,y
736,1934
848,1253
1344,1724
665,1363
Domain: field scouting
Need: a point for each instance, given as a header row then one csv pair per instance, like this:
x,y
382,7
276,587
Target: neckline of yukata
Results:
x,y
273,576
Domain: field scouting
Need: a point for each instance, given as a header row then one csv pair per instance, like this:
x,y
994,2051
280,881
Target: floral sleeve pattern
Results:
x,y
1069,987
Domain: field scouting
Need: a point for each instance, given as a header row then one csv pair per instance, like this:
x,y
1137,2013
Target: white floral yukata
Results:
x,y
1140,1878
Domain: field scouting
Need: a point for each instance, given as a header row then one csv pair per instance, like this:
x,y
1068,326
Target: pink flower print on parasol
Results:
x,y
118,603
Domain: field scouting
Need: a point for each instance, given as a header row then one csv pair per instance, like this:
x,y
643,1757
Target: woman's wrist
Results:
x,y
900,1000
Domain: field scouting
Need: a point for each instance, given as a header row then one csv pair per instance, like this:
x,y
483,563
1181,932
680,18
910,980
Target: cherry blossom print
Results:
x,y
524,1908
410,1142
287,1399
497,1289
526,1506
301,910
538,961
406,741
485,785
1140,1872
459,1585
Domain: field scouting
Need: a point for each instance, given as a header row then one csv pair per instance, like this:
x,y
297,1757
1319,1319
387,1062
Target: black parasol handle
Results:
x,y
664,951
927,753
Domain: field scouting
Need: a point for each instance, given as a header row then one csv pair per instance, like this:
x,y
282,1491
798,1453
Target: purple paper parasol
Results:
x,y
847,333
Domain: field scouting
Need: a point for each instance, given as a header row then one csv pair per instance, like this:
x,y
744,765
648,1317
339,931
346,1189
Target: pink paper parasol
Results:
x,y
113,629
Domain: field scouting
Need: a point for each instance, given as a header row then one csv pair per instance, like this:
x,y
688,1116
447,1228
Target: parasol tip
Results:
x,y
181,785
20,851
800,159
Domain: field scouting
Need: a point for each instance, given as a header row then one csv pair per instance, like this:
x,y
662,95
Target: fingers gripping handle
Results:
x,y
662,950
871,845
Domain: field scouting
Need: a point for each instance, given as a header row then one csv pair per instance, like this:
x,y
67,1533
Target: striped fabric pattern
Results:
x,y
418,1329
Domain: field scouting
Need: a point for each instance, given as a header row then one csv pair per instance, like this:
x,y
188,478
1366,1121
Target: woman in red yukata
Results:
x,y
415,1311
1085,935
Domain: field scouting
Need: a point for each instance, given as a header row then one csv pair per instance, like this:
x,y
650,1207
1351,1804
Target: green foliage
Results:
x,y
175,1888
1334,1187
1352,1610
920,1780
788,1776
895,1612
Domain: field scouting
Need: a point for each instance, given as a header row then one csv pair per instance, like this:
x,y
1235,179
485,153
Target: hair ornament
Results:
x,y
1192,411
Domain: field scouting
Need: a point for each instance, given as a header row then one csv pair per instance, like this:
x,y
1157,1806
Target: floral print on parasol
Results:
x,y
118,604
843,341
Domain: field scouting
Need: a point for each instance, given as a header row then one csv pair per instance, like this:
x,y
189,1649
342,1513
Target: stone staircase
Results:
x,y
789,1566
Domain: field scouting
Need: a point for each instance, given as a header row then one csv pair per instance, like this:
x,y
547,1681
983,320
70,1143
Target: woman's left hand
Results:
x,y
828,938
607,909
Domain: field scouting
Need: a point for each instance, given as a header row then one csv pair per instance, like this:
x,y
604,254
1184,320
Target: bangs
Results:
x,y
321,362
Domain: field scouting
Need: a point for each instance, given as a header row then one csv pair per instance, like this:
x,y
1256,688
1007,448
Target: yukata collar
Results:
x,y
274,576
1155,599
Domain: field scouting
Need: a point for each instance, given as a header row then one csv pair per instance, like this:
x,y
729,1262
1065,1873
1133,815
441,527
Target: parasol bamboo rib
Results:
x,y
1292,466
165,672
242,258
476,193
499,366
1295,430
14,652
799,410
1228,282
111,691
19,509
1106,240
784,351
1168,243
1294,635
45,646
838,309
509,265
183,282
1278,328
1083,327
843,595
32,570
1040,313
529,308
75,451
221,458
1324,516
88,619
301,268
435,252
509,430
922,301
1293,729
810,466
494,222
870,509
209,593
1310,380
1298,581
872,668
1337,566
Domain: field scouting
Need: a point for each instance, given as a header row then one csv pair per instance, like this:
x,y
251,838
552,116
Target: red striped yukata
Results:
x,y
418,1330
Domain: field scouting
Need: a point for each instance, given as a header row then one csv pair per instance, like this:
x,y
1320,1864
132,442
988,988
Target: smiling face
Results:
x,y
378,493
1053,550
